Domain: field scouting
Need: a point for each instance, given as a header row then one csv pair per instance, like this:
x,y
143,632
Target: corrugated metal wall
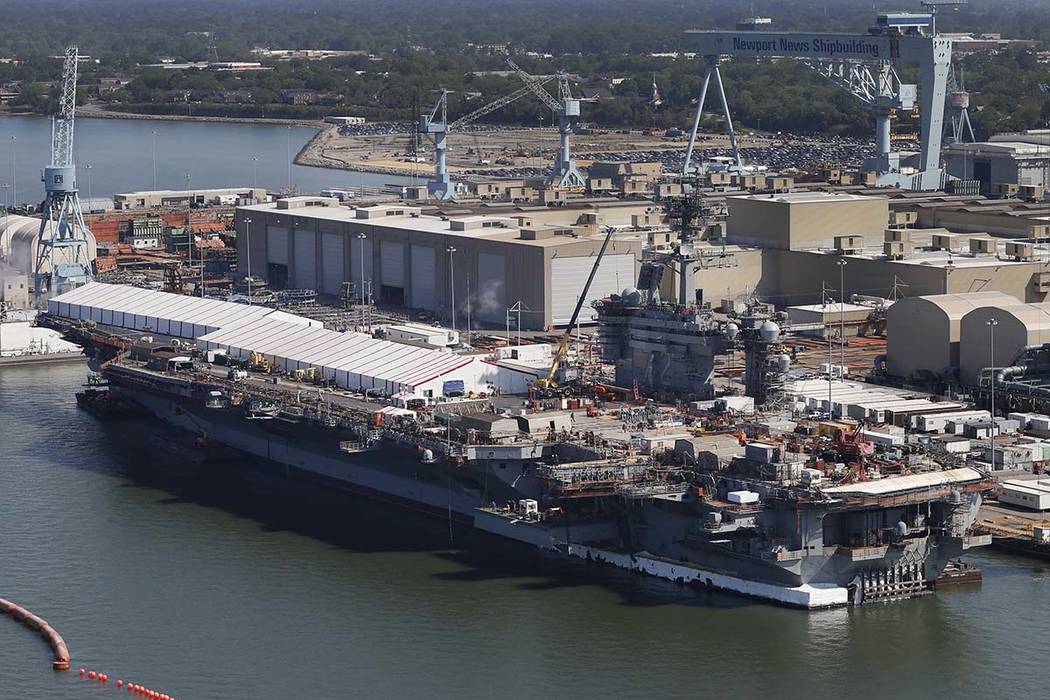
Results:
x,y
568,276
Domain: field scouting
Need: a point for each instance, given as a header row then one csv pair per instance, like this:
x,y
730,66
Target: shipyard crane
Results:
x,y
550,382
436,126
63,255
567,109
880,91
959,101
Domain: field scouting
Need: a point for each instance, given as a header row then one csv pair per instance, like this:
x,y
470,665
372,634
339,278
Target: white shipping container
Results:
x,y
743,497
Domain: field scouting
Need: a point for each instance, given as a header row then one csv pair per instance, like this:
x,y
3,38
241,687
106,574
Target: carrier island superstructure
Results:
x,y
687,491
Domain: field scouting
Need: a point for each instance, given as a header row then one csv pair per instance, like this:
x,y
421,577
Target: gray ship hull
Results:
x,y
655,541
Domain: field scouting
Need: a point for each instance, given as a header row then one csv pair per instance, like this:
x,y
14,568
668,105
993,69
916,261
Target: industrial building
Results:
x,y
1032,494
922,334
1004,162
14,287
807,220
187,198
486,264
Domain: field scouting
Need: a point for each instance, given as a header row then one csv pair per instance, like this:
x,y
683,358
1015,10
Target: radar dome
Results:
x,y
769,332
783,363
732,331
631,296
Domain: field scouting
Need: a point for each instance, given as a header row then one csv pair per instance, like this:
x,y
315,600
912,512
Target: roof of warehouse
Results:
x,y
810,197
910,482
356,353
955,306
433,224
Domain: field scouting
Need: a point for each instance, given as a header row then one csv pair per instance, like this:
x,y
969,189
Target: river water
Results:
x,y
120,153
207,585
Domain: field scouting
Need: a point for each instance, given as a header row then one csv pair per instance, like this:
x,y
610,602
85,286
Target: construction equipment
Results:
x,y
567,110
257,362
550,382
436,126
63,255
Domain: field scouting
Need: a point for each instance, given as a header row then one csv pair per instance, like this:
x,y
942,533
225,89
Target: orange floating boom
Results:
x,y
58,645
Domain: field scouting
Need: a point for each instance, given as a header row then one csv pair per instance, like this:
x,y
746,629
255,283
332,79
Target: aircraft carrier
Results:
x,y
598,482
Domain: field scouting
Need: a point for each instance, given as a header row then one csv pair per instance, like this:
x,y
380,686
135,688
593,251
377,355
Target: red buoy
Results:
x,y
83,673
92,675
120,683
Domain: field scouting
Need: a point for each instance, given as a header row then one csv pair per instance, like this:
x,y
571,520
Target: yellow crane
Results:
x,y
550,381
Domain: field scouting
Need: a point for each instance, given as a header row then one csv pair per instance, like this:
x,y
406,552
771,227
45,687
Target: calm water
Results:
x,y
203,587
120,152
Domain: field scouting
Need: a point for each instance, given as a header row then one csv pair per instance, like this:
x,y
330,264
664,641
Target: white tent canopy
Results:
x,y
352,360
159,312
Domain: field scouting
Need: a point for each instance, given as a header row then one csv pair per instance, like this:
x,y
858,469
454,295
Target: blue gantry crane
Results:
x,y
437,127
63,253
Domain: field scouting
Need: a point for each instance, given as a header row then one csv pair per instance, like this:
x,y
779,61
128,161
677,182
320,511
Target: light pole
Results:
x,y
992,323
842,319
452,285
288,156
7,210
248,250
153,134
14,171
255,171
361,237
88,166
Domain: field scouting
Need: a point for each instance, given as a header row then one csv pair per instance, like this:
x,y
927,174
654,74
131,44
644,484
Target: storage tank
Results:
x,y
19,238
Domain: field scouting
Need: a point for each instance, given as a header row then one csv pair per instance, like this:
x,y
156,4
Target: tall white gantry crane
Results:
x,y
63,256
567,109
436,126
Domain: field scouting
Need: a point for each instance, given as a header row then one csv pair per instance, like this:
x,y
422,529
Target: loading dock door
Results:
x,y
276,245
392,264
305,260
423,277
332,263
568,275
489,302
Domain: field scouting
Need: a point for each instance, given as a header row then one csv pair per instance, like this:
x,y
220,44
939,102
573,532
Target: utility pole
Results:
x,y
153,133
824,305
842,318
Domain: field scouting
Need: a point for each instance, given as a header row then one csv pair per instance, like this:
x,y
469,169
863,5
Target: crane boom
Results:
x,y
62,124
493,106
536,86
549,381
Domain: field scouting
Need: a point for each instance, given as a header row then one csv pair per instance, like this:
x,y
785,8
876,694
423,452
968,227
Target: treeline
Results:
x,y
124,33
420,47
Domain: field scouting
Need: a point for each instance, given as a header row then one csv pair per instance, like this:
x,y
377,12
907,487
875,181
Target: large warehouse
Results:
x,y
407,257
922,333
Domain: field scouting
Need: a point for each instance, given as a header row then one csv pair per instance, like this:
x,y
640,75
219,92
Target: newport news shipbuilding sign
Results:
x,y
769,44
